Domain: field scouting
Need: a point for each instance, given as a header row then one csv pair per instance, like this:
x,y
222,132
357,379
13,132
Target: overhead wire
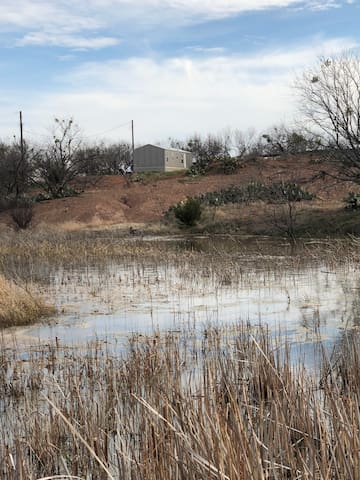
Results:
x,y
48,135
109,130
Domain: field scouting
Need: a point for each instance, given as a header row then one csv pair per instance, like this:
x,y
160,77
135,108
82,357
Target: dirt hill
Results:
x,y
143,199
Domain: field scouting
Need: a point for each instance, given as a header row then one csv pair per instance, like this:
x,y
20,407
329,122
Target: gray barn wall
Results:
x,y
149,158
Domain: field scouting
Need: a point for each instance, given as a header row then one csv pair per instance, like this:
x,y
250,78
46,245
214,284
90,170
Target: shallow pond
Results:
x,y
68,395
213,281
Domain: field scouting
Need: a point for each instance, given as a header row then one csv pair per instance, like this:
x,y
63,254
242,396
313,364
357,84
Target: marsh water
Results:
x,y
209,281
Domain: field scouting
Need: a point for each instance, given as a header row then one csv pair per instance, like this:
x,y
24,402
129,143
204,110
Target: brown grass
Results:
x,y
18,306
57,245
224,404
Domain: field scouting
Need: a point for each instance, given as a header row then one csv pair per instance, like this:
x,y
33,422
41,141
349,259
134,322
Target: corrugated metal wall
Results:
x,y
151,158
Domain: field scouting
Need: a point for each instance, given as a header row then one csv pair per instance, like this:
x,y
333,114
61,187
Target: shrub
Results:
x,y
229,164
288,192
352,201
6,203
22,213
196,169
188,212
42,197
282,192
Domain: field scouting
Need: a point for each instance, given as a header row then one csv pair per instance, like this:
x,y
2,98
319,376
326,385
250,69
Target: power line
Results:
x,y
48,135
36,134
110,130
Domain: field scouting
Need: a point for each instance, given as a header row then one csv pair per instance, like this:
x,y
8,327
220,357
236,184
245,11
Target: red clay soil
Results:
x,y
114,200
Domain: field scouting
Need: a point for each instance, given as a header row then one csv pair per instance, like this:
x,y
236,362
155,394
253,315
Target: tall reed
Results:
x,y
227,404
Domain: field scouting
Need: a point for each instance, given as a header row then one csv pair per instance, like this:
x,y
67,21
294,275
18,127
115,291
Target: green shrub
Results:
x,y
196,169
352,201
188,212
288,192
275,193
63,193
41,197
229,164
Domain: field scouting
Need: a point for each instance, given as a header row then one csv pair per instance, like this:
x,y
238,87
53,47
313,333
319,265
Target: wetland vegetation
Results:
x,y
18,306
181,358
226,404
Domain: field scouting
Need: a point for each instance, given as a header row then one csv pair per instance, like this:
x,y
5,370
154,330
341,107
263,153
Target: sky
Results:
x,y
174,67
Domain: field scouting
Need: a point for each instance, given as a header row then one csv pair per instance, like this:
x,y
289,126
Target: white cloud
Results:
x,y
177,96
206,50
57,23
320,5
213,8
67,40
43,14
67,16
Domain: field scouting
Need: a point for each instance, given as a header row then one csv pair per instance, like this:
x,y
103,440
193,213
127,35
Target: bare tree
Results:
x,y
16,165
283,140
103,159
59,165
330,102
207,151
246,143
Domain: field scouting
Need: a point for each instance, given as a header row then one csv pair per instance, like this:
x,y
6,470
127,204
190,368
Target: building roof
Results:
x,y
164,148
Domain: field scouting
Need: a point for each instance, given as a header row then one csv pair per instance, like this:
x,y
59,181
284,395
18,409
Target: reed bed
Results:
x,y
19,306
58,247
37,255
224,404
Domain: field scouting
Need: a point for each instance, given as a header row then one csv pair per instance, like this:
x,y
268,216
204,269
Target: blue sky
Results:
x,y
175,67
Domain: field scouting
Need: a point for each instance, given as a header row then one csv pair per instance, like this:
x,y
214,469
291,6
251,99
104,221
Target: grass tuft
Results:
x,y
18,306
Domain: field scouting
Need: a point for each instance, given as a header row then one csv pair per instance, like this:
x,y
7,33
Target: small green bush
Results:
x,y
229,165
352,201
63,193
196,170
188,212
281,192
41,197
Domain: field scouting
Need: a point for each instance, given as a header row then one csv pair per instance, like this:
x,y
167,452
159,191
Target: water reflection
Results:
x,y
256,281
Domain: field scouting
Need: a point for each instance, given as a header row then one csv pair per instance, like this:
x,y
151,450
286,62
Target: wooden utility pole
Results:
x,y
21,138
132,145
20,165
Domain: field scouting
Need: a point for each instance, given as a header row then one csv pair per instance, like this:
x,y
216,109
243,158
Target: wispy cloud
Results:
x,y
321,5
178,96
38,14
35,18
216,8
66,40
212,84
206,50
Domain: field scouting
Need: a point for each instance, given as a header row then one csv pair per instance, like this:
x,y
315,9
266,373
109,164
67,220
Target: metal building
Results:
x,y
151,158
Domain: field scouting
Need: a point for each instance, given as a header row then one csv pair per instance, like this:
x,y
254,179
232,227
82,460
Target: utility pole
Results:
x,y
133,145
20,165
21,138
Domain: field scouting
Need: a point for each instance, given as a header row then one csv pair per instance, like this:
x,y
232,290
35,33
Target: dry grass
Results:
x,y
223,404
98,261
227,404
61,246
18,306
